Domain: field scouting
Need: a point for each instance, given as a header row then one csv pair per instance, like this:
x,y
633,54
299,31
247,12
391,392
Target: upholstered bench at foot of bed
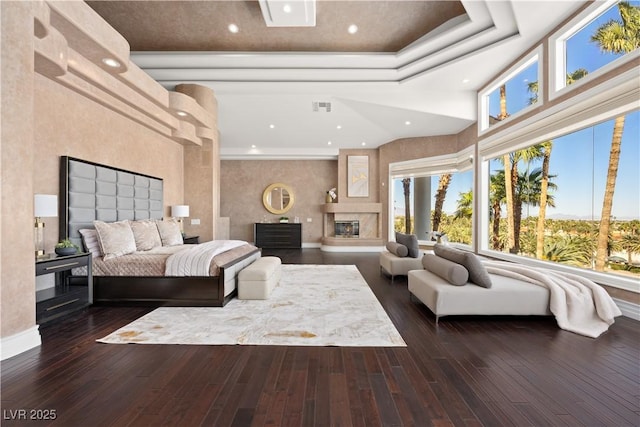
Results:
x,y
398,266
257,280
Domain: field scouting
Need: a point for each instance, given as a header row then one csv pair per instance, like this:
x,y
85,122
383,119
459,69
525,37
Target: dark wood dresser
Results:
x,y
278,235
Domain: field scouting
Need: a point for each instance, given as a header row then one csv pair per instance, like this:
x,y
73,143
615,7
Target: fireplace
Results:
x,y
347,228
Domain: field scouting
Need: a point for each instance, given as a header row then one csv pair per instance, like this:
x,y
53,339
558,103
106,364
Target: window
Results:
x,y
513,93
442,202
563,223
603,36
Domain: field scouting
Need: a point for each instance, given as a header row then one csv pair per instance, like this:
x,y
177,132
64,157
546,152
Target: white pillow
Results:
x,y
145,233
90,241
116,238
169,230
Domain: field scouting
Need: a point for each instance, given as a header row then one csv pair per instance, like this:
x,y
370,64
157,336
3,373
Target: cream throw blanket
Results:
x,y
579,305
196,260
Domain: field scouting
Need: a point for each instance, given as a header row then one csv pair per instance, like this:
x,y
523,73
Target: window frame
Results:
x,y
534,55
557,51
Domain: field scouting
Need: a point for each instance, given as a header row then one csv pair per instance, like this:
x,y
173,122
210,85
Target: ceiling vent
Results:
x,y
289,13
320,106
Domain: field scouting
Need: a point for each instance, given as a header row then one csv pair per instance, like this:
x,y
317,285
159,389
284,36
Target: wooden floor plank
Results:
x,y
465,371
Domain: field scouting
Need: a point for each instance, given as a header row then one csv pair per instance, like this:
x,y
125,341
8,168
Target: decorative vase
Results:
x,y
328,199
65,251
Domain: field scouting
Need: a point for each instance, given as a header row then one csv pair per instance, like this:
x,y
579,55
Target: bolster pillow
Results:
x,y
477,272
397,249
453,273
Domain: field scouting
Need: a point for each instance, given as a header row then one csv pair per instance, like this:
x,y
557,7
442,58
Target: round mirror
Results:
x,y
277,198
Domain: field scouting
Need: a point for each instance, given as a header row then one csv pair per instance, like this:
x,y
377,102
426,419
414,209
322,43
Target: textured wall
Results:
x,y
96,134
17,279
243,181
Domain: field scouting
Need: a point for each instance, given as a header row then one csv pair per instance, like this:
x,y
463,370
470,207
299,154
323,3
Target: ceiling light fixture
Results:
x,y
465,80
253,146
181,113
364,143
272,126
338,127
407,123
286,8
110,62
233,28
329,143
353,28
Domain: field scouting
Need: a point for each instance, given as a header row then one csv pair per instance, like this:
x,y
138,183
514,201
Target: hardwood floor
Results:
x,y
468,371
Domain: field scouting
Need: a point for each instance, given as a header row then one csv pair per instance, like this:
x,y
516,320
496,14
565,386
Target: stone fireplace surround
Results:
x,y
367,215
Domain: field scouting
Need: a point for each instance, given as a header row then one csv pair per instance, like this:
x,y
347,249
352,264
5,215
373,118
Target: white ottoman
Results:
x,y
257,280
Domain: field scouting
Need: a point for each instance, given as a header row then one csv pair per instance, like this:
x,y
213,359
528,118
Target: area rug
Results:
x,y
314,305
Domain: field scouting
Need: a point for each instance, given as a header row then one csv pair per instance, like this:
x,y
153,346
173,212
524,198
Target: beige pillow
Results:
x,y
145,232
169,230
116,238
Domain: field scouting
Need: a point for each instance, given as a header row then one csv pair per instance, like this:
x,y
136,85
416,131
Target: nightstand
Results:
x,y
65,297
191,240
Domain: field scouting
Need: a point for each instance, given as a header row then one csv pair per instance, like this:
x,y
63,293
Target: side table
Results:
x,y
63,298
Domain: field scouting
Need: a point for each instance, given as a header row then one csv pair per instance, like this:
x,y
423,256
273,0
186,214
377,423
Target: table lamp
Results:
x,y
44,206
180,211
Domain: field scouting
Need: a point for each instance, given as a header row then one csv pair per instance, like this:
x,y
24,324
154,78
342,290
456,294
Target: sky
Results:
x,y
578,160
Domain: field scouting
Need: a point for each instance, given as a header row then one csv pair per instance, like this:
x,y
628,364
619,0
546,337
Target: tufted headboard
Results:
x,y
90,191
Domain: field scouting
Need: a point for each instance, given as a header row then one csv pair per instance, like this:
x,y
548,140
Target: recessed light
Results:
x,y
329,143
353,28
407,123
181,113
233,28
286,8
364,143
253,146
338,127
272,126
111,62
465,80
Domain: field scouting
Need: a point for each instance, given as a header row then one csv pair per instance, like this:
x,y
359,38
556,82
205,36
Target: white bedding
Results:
x,y
196,260
579,305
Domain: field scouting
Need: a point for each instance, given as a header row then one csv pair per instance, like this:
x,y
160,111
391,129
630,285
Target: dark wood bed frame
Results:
x,y
158,291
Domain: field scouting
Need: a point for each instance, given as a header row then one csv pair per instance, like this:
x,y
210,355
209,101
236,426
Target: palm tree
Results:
x,y
406,187
497,197
464,208
441,194
630,243
508,174
546,148
615,37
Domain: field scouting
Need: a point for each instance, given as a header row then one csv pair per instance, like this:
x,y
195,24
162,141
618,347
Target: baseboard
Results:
x,y
311,245
20,342
628,309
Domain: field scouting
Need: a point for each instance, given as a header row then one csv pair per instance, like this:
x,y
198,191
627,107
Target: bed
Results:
x,y
94,195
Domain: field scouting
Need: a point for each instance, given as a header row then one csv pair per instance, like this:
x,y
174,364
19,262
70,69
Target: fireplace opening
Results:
x,y
347,228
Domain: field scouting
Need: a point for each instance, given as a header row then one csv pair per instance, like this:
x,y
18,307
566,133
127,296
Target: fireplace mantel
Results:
x,y
353,207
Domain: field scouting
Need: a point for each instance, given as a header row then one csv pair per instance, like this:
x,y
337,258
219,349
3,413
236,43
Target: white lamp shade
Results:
x,y
180,211
45,205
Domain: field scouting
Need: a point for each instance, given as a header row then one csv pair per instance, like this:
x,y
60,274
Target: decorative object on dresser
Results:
x,y
278,235
331,195
44,205
66,296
